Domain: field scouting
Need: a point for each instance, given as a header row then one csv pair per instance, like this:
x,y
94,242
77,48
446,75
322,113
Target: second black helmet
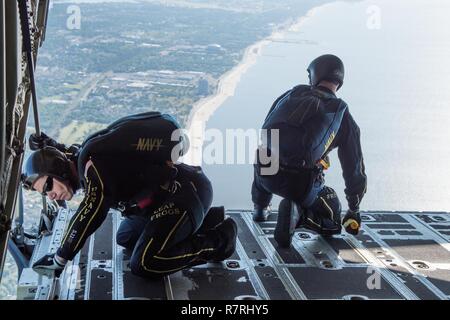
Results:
x,y
327,67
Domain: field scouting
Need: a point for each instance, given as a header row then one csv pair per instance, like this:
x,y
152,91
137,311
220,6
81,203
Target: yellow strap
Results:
x,y
354,225
324,164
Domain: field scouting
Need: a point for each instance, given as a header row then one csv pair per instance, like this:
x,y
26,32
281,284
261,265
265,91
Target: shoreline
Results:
x,y
227,84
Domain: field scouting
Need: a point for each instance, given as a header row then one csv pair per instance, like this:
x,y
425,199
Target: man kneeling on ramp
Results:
x,y
310,121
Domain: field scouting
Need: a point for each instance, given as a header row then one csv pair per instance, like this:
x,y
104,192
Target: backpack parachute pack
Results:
x,y
308,120
145,136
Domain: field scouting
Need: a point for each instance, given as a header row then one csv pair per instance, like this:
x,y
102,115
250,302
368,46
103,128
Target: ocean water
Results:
x,y
397,87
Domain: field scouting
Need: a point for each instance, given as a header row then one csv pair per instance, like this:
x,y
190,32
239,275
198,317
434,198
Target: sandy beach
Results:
x,y
227,85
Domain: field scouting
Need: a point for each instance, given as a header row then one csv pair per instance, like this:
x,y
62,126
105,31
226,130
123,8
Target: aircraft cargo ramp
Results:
x,y
398,255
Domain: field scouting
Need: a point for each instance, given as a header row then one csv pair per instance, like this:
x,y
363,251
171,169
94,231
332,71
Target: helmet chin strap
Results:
x,y
329,85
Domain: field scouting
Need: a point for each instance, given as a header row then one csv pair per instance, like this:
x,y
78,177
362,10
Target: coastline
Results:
x,y
227,84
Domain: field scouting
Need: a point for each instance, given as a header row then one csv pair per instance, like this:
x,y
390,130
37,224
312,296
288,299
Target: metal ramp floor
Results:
x,y
398,255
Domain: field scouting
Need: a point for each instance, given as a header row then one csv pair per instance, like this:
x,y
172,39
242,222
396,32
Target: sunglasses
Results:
x,y
48,186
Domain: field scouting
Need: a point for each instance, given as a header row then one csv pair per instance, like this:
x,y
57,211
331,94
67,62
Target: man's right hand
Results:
x,y
38,142
352,222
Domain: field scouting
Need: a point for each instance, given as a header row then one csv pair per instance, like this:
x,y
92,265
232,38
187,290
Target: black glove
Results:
x,y
47,264
38,142
352,222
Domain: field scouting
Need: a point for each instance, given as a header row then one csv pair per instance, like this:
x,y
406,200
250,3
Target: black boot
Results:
x,y
260,214
288,217
214,216
227,235
317,223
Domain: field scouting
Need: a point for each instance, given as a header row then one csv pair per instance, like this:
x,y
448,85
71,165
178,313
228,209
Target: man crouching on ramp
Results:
x,y
131,166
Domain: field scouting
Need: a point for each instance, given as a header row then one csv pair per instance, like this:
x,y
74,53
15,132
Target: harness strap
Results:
x,y
135,205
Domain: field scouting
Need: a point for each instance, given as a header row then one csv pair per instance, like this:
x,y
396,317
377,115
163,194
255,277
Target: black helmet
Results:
x,y
48,161
326,67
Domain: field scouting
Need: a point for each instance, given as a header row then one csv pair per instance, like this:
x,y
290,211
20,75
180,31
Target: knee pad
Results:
x,y
324,216
327,205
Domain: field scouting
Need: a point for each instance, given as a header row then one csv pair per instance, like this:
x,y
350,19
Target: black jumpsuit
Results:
x,y
306,187
167,241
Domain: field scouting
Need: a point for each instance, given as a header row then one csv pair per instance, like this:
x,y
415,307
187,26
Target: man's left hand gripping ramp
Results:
x,y
46,286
